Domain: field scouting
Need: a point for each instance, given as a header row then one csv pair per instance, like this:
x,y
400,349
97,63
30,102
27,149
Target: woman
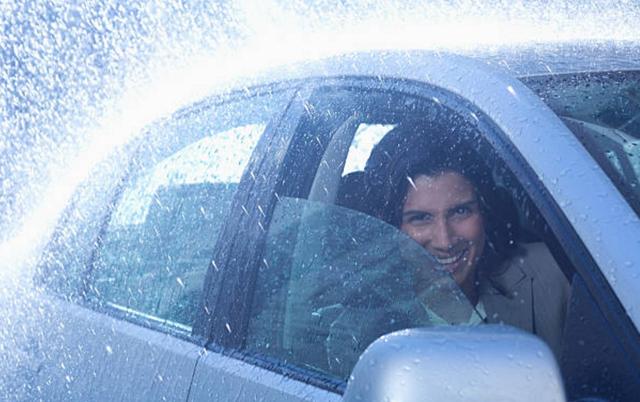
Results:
x,y
432,186
426,180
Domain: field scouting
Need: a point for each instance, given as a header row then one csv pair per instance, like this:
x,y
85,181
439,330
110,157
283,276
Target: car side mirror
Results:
x,y
481,363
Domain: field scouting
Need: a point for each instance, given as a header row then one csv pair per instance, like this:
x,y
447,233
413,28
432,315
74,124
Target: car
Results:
x,y
210,257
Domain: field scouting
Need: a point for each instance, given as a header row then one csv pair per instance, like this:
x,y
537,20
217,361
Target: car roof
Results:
x,y
563,58
516,60
520,60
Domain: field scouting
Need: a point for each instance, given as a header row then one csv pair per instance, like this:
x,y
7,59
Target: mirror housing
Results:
x,y
481,363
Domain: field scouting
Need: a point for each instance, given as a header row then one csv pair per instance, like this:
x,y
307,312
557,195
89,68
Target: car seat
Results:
x,y
352,193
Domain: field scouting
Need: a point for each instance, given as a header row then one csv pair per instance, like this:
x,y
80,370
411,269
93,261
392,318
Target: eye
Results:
x,y
418,218
461,211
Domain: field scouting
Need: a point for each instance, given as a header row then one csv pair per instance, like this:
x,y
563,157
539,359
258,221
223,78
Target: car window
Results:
x,y
63,265
335,279
154,252
338,270
366,136
603,110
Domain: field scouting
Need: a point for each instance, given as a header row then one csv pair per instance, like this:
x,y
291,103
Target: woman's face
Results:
x,y
442,213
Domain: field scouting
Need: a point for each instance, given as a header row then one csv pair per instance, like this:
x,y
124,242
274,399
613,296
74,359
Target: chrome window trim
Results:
x,y
151,318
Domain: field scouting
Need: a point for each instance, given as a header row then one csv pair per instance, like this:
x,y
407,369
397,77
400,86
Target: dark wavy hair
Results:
x,y
415,148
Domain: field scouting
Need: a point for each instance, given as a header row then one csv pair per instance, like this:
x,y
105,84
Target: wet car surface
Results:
x,y
212,258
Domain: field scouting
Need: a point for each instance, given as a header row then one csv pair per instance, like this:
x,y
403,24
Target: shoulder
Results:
x,y
536,260
530,262
536,250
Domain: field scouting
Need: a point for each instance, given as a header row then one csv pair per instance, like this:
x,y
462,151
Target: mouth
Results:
x,y
450,261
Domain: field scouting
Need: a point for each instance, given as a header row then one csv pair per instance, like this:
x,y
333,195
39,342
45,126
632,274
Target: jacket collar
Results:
x,y
507,281
507,295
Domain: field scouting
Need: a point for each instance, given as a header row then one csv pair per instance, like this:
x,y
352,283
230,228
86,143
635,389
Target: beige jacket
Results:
x,y
531,293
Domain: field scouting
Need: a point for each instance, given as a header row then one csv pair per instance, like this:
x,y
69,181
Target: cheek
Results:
x,y
472,230
412,232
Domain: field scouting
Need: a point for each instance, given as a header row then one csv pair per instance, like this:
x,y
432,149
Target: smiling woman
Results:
x,y
438,192
442,194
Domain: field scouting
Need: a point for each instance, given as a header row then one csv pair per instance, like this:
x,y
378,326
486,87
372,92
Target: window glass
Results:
x,y
349,279
219,158
366,136
407,220
603,110
64,263
159,241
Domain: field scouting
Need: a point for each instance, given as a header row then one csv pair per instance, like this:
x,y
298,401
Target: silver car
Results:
x,y
231,252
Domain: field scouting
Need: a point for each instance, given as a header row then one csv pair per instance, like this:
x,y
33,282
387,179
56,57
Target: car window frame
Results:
x,y
219,316
573,246
46,275
224,330
585,264
222,340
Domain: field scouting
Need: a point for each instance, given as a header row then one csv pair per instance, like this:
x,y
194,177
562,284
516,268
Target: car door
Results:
x,y
273,302
125,270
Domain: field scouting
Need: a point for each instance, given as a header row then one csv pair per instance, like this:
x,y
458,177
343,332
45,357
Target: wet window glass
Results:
x,y
350,278
603,111
162,231
64,263
394,214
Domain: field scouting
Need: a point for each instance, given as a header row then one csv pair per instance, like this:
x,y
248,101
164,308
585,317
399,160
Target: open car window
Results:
x,y
339,269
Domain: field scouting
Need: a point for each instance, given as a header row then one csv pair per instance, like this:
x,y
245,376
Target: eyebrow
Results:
x,y
458,205
464,204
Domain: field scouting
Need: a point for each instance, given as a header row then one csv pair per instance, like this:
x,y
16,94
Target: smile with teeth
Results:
x,y
452,259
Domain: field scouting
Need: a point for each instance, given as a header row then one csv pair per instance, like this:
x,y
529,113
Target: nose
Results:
x,y
441,236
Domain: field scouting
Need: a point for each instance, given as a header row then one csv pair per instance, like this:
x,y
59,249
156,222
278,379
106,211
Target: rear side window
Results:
x,y
603,111
158,243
